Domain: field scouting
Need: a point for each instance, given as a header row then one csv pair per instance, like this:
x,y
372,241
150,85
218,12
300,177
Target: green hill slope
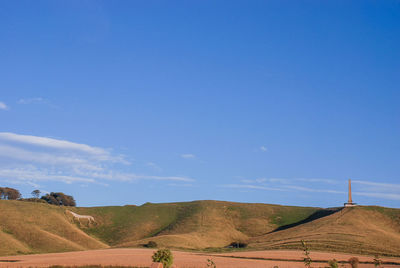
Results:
x,y
35,227
197,224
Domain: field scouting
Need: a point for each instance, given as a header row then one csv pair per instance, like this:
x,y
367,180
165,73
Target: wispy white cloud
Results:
x,y
289,181
181,184
381,190
263,149
153,166
378,190
34,100
32,174
282,188
31,159
314,190
250,186
23,155
96,152
188,156
3,106
161,178
381,186
389,196
267,180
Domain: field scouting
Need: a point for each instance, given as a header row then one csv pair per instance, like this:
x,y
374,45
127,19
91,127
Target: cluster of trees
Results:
x,y
59,199
9,193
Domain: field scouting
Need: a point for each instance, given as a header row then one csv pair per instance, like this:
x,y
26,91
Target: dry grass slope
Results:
x,y
192,225
362,230
37,228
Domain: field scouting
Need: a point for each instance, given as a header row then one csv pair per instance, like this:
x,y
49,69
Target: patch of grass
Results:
x,y
286,215
119,224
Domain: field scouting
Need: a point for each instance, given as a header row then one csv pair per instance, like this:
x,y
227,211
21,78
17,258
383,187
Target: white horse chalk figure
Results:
x,y
79,217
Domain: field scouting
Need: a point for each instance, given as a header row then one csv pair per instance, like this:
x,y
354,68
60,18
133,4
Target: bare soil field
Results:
x,y
142,257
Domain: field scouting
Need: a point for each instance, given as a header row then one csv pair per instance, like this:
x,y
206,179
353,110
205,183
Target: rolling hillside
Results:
x,y
363,230
197,224
36,228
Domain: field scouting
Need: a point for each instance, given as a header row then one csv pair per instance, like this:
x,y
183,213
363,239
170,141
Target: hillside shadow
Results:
x,y
316,215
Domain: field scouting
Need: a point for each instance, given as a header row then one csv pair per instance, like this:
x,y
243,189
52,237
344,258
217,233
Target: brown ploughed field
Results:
x,y
142,257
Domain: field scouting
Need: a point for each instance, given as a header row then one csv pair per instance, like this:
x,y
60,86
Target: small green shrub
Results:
x,y
333,263
211,263
164,256
354,262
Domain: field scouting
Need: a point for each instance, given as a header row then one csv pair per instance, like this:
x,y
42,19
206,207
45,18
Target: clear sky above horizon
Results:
x,y
127,102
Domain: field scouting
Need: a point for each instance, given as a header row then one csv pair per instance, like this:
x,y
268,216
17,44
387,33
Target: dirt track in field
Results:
x,y
142,257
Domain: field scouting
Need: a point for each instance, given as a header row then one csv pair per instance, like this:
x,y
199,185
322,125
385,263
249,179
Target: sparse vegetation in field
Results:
x,y
333,263
307,259
96,266
211,263
377,261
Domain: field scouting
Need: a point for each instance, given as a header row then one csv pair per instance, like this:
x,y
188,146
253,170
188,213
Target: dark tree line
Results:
x,y
59,199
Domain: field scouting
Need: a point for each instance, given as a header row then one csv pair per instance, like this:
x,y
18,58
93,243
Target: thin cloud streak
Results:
x,y
31,100
33,174
379,195
283,188
382,185
249,186
188,156
153,166
51,143
306,189
43,158
372,189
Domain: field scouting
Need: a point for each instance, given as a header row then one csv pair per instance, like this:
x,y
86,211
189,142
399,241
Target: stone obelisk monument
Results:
x,y
350,202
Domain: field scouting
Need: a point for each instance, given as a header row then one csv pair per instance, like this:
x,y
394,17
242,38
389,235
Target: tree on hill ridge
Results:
x,y
60,199
9,193
35,193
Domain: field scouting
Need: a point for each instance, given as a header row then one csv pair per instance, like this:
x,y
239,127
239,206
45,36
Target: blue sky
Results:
x,y
127,102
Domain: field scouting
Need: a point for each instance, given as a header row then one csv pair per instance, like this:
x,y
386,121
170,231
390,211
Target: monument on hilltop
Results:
x,y
350,201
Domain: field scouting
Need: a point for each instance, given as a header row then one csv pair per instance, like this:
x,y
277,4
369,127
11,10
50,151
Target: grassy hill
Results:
x,y
27,227
197,224
34,227
363,230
